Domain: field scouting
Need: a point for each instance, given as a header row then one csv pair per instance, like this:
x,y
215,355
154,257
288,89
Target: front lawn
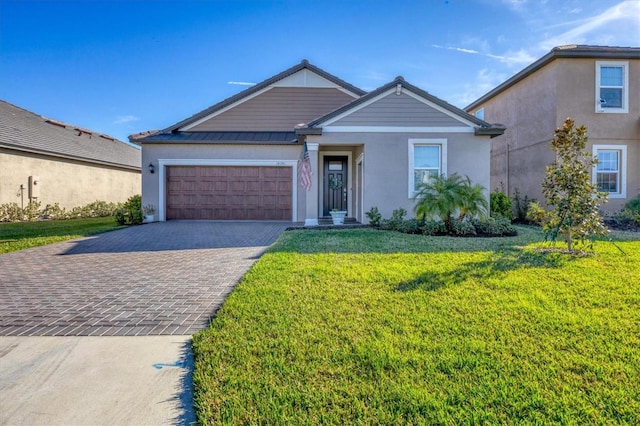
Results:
x,y
377,327
21,235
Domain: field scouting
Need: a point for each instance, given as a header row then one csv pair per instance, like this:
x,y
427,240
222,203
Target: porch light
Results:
x,y
152,169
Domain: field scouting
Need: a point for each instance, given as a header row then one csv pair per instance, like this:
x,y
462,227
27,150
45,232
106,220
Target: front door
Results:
x,y
334,184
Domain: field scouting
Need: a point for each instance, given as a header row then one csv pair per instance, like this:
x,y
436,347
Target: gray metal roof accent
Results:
x,y
393,84
25,131
256,88
569,51
256,138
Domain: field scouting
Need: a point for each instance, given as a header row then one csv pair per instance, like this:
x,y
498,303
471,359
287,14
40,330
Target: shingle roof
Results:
x,y
483,126
263,138
256,88
569,51
25,131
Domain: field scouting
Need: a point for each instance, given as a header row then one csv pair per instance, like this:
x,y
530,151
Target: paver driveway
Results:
x,y
160,278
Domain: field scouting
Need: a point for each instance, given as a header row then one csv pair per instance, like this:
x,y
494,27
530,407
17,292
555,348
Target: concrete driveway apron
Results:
x,y
163,281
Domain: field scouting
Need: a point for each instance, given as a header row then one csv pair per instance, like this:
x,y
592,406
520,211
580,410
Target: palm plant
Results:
x,y
446,196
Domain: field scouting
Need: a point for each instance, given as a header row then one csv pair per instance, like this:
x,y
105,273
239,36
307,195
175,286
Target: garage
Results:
x,y
229,193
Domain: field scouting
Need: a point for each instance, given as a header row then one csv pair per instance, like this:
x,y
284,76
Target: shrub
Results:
x,y
409,226
55,212
433,227
374,216
521,207
494,227
396,220
501,205
10,212
462,228
131,212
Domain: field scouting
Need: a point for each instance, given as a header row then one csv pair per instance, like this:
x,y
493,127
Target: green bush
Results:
x,y
501,205
409,226
433,227
12,212
396,220
521,207
374,216
462,228
494,227
131,212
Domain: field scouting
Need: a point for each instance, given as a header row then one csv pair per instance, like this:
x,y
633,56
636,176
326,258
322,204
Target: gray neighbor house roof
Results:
x,y
173,134
568,51
22,130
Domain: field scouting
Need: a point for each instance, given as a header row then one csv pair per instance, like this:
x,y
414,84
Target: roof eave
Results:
x,y
557,52
493,131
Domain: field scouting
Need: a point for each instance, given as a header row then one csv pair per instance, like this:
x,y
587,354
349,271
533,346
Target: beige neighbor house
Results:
x,y
239,159
45,160
596,86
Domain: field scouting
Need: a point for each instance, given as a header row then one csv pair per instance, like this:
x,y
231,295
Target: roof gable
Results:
x,y
25,131
398,109
302,75
381,108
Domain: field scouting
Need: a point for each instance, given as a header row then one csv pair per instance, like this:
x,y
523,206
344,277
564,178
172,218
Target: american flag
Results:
x,y
304,169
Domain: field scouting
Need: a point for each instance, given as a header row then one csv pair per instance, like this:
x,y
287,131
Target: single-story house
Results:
x,y
240,158
46,160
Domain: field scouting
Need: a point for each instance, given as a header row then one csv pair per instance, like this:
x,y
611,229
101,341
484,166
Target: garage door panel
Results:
x,y
229,192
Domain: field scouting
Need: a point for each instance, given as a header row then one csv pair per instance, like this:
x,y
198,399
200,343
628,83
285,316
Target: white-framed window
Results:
x,y
427,158
610,174
612,86
480,114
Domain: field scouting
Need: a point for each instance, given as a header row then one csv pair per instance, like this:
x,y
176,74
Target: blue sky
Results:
x,y
120,67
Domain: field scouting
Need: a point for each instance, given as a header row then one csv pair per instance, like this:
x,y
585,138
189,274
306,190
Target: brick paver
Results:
x,y
160,278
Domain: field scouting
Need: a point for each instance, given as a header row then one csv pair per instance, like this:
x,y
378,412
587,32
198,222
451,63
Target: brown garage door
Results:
x,y
229,193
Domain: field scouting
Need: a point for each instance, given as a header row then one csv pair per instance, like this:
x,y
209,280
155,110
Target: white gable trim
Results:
x,y
393,91
163,162
390,129
308,78
302,78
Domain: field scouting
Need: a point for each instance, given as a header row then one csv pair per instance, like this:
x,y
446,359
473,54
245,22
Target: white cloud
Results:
x,y
241,83
617,22
510,58
485,80
124,119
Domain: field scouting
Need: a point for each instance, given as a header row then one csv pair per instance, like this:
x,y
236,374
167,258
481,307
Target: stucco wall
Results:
x,y
528,112
534,107
386,162
66,182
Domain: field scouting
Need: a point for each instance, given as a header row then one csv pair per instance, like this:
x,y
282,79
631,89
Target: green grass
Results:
x,y
374,327
22,235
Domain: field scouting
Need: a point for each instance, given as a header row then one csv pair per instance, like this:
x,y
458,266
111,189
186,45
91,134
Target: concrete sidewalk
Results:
x,y
96,380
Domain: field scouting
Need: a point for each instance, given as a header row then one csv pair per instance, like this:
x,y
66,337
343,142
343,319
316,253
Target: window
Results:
x,y
427,158
480,114
609,174
612,86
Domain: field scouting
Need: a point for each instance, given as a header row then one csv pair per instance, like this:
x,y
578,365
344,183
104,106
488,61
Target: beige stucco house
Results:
x,y
240,158
596,86
49,161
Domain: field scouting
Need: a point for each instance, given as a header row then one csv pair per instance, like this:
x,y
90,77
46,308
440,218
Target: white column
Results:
x,y
311,211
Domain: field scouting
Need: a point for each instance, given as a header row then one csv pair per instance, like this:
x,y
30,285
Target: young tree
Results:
x,y
568,189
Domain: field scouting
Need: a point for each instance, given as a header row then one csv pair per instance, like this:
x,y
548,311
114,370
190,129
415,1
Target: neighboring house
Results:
x,y
596,86
45,160
238,160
